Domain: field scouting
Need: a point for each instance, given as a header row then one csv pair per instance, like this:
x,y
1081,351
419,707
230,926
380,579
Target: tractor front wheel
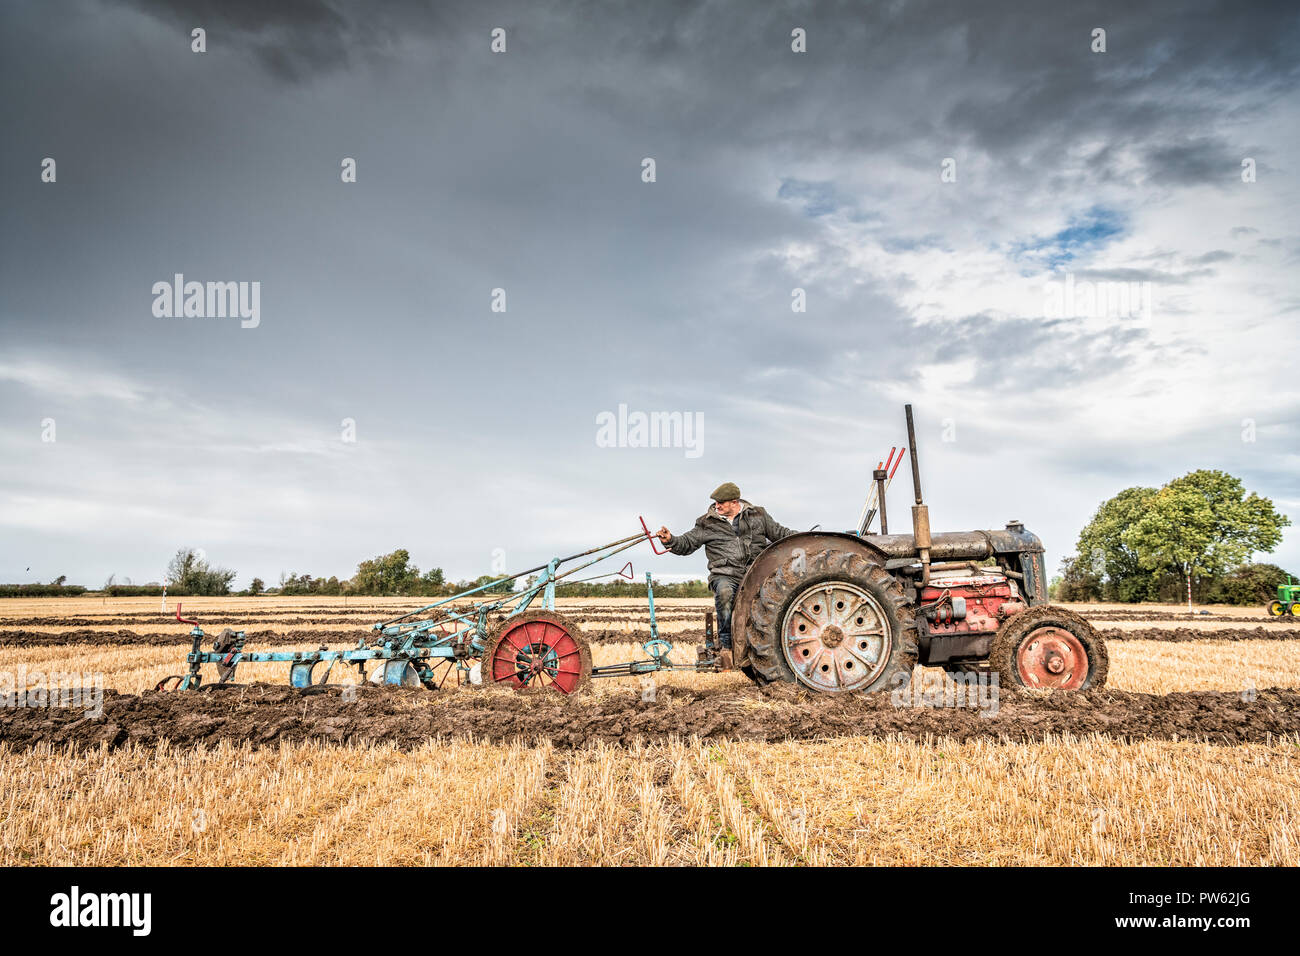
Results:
x,y
1049,647
1277,608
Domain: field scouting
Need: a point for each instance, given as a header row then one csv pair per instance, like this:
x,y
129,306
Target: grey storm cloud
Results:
x,y
775,171
1147,275
294,40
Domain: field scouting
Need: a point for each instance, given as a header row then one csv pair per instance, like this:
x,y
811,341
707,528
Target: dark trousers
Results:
x,y
724,596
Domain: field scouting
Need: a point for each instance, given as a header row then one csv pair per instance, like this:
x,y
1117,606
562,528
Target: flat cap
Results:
x,y
727,491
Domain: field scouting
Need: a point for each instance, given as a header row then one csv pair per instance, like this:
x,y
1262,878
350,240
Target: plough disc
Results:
x,y
537,649
398,673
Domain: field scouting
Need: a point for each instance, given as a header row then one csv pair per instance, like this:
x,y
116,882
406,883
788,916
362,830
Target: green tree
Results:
x,y
1246,585
190,573
296,584
390,573
182,567
1078,581
256,587
1106,557
503,588
1203,523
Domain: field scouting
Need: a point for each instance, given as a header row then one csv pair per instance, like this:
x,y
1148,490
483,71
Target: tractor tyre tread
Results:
x,y
765,661
1009,637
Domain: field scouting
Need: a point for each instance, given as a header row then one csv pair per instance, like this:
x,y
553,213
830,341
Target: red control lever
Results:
x,y
184,620
653,540
897,463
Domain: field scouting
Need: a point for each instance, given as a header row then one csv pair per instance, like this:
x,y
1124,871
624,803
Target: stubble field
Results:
x,y
1189,756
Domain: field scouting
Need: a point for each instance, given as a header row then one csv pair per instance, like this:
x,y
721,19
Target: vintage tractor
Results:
x,y
1288,600
836,612
853,611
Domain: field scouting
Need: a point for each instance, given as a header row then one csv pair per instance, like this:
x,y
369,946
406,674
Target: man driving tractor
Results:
x,y
733,533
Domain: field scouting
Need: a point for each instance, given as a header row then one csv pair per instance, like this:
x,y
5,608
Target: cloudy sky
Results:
x,y
930,174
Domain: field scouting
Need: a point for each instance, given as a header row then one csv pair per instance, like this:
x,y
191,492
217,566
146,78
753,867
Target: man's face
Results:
x,y
729,509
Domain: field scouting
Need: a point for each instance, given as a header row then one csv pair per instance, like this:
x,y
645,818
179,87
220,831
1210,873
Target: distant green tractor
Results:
x,y
1288,600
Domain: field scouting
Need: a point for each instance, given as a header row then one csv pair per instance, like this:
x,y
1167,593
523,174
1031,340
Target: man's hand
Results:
x,y
664,535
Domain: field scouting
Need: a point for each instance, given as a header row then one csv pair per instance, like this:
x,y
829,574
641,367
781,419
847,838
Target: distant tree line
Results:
x,y
55,588
634,589
394,574
1148,544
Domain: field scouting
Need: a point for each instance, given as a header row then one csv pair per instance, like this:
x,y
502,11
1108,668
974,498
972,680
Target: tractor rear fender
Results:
x,y
776,554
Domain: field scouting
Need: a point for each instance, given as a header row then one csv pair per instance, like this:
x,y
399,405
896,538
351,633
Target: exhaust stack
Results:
x,y
920,512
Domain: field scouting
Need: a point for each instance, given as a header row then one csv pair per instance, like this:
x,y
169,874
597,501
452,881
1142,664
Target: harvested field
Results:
x,y
1073,800
1150,667
1188,756
22,637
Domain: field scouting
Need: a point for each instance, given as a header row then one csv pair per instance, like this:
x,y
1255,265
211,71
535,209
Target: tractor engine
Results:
x,y
963,609
969,604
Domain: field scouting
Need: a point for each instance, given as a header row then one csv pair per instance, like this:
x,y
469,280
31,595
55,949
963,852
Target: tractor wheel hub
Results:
x,y
836,637
1051,656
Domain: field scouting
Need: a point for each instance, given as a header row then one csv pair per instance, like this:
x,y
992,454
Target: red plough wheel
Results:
x,y
537,649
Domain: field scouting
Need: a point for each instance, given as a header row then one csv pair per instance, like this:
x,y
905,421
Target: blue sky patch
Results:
x,y
818,198
1086,233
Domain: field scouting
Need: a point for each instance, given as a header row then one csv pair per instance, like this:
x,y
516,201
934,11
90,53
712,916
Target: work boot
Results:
x,y
724,659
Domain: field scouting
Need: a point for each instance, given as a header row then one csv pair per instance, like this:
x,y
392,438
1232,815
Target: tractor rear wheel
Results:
x,y
1294,608
537,649
1276,608
832,620
1049,647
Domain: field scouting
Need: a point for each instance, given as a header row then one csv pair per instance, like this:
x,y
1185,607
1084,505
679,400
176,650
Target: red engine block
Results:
x,y
988,599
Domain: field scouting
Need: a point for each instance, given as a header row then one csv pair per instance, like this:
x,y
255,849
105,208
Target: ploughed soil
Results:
x,y
1192,634
362,619
23,637
264,715
1124,614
